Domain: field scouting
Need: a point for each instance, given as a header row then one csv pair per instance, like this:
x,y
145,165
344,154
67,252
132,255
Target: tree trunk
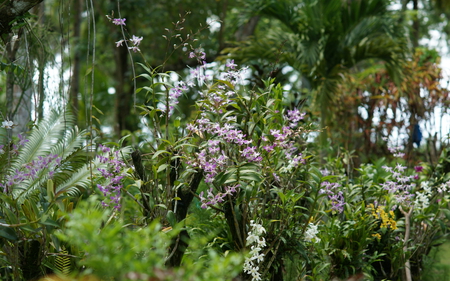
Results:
x,y
415,25
181,207
123,95
234,222
22,102
10,11
12,104
75,81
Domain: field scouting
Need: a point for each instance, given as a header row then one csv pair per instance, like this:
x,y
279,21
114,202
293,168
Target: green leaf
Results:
x,y
171,218
146,76
162,167
223,177
50,190
282,196
157,153
177,122
88,71
98,110
446,213
11,216
50,222
8,233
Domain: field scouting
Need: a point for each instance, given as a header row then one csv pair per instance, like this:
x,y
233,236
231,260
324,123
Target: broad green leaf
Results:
x,y
50,190
157,153
162,168
171,218
8,233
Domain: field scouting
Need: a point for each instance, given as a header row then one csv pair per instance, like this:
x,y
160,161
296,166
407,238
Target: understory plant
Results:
x,y
43,173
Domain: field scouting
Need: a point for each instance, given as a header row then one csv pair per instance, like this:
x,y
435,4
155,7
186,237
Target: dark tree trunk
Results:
x,y
181,207
10,11
122,99
124,93
30,260
145,189
223,14
234,221
246,30
276,273
75,81
415,25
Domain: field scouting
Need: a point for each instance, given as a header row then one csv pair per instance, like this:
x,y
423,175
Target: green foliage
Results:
x,y
228,187
35,195
117,251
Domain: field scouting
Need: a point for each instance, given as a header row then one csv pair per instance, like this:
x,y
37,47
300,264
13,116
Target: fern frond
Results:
x,y
63,263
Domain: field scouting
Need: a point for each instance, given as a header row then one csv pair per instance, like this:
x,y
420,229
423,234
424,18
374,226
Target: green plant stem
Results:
x,y
311,212
233,224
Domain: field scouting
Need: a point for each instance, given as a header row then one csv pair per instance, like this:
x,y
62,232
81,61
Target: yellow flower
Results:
x,y
387,218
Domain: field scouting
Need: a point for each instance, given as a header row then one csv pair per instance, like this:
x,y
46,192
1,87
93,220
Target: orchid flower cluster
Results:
x,y
387,218
334,195
294,117
213,157
134,40
113,174
443,187
396,151
282,139
422,200
30,171
211,160
181,86
198,73
212,199
311,233
219,96
174,94
15,146
400,186
256,243
7,124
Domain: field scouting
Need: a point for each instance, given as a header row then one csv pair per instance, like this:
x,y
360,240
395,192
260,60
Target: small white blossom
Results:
x,y
136,40
255,256
254,270
119,43
311,233
443,187
251,238
259,258
262,242
422,201
7,124
255,250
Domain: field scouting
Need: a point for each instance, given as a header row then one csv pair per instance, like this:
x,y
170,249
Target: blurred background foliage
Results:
x,y
366,62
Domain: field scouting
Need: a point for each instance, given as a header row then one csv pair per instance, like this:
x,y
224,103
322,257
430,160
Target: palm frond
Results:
x,y
44,136
81,179
325,36
55,135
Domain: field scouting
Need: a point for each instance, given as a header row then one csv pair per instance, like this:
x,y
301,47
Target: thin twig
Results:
x,y
132,197
405,245
174,248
